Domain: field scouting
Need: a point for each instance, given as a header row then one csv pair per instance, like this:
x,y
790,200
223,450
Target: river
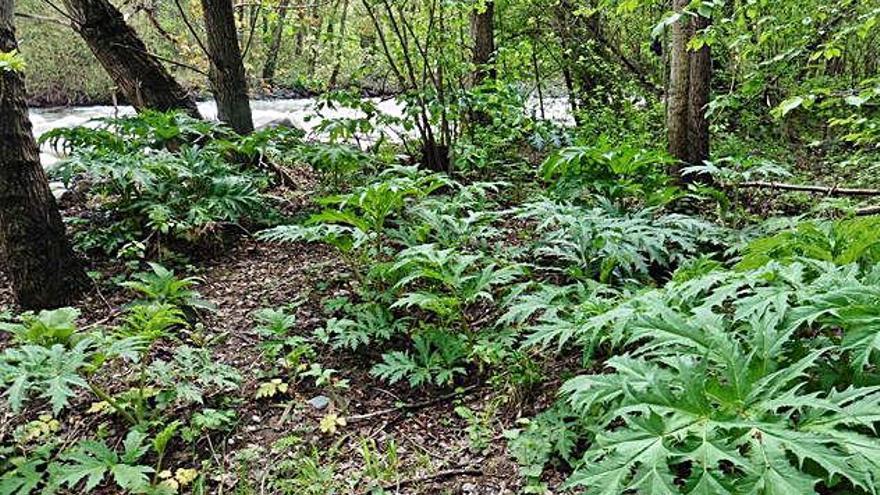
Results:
x,y
300,112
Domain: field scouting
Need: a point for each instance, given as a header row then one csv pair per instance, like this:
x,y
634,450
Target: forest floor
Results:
x,y
415,442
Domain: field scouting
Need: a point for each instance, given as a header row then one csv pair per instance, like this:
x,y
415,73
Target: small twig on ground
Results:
x,y
284,415
424,449
412,406
284,177
448,473
113,314
101,295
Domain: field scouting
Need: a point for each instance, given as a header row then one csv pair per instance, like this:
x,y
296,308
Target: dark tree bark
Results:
x,y
228,79
338,46
483,33
690,77
698,98
44,270
678,88
139,75
275,46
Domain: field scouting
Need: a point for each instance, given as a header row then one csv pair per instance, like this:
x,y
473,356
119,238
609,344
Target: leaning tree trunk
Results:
x,y
698,98
678,89
275,45
44,270
483,32
228,79
138,74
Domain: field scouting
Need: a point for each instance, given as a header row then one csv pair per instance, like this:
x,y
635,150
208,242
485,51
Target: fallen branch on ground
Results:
x,y
868,210
284,177
831,191
449,473
412,406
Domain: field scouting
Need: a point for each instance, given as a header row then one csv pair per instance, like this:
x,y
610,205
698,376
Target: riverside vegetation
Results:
x,y
468,297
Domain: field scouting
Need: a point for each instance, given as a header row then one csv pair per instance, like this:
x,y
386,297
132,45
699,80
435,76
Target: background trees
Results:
x,y
687,99
228,82
43,268
762,76
136,71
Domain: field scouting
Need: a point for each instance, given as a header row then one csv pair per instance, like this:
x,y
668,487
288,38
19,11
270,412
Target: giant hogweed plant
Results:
x,y
52,363
460,292
53,360
131,134
855,240
736,382
446,282
355,224
464,218
605,244
181,196
622,174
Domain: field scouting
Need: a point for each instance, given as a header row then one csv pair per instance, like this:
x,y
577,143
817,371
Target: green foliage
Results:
x,y
553,434
161,285
355,223
11,62
159,176
336,161
448,281
549,313
53,373
206,421
618,173
131,134
90,462
498,127
24,474
437,358
191,376
45,328
841,242
604,243
458,220
718,392
364,324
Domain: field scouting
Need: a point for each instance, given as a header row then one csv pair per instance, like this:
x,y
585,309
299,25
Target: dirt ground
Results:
x,y
433,447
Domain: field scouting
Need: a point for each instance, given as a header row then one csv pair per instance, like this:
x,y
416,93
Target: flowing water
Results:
x,y
300,112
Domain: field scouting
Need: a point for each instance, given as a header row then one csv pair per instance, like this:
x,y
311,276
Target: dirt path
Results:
x,y
426,449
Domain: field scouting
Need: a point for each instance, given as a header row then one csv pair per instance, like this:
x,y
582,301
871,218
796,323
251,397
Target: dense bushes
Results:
x,y
157,179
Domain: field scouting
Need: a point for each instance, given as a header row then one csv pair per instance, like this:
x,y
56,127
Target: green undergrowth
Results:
x,y
675,351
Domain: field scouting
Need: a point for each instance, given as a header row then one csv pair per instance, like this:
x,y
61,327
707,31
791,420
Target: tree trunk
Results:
x,y
339,46
483,33
139,75
275,45
569,88
228,79
698,99
44,270
689,86
678,88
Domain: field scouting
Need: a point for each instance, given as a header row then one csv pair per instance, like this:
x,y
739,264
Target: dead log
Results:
x,y
829,191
